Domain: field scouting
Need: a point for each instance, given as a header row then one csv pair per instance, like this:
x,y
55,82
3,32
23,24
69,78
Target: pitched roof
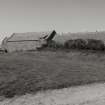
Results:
x,y
28,36
3,35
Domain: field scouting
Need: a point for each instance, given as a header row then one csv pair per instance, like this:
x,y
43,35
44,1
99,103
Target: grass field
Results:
x,y
29,72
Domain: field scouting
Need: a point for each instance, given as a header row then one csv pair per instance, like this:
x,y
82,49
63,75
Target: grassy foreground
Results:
x,y
29,72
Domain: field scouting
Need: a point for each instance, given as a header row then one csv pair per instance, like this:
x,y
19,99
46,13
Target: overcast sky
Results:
x,y
44,15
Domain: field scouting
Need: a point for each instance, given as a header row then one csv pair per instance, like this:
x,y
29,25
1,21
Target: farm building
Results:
x,y
27,41
3,36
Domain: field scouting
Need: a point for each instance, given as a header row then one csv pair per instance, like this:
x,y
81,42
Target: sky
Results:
x,y
45,15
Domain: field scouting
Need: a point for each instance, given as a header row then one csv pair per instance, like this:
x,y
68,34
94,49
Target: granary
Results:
x,y
27,41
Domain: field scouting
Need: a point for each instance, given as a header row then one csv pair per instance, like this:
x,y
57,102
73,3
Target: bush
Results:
x,y
69,44
80,43
51,44
91,44
55,45
76,43
94,44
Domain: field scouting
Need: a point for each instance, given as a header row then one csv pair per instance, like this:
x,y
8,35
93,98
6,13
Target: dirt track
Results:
x,y
93,94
